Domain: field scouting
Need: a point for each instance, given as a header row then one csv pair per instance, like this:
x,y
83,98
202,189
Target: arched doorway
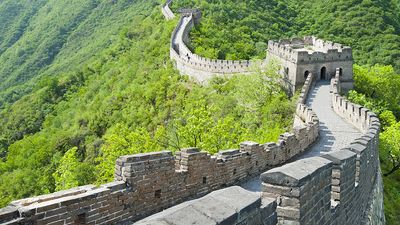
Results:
x,y
340,72
323,73
306,74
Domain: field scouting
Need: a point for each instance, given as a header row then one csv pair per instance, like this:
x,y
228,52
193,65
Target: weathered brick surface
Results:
x,y
194,65
341,187
233,206
334,189
148,183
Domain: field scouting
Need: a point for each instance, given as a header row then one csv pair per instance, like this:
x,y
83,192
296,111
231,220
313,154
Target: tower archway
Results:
x,y
306,74
323,73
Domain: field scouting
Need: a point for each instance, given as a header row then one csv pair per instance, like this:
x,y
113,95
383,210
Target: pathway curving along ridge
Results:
x,y
334,132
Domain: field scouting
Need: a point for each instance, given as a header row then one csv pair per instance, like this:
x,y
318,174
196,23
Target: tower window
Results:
x,y
157,194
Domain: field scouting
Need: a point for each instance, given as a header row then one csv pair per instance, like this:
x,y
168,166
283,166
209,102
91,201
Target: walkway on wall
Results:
x,y
178,40
334,132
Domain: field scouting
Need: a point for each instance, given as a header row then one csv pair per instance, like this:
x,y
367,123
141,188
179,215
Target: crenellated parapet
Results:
x,y
166,11
195,66
335,188
151,182
300,56
341,187
309,50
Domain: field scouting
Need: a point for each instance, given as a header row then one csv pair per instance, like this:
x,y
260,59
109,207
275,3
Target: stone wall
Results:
x,y
233,206
286,49
166,11
296,61
296,64
200,68
342,187
376,214
148,183
106,204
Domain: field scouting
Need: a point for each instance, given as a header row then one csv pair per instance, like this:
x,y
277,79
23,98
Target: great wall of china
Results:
x,y
340,186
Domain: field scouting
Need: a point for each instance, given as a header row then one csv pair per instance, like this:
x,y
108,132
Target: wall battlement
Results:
x,y
340,187
297,56
300,56
194,65
148,183
335,188
166,11
309,50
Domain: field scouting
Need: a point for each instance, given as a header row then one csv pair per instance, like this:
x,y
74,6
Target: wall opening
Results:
x,y
234,171
323,73
306,74
204,180
340,72
157,194
80,219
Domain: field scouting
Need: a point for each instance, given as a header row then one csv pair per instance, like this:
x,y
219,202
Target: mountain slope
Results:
x,y
55,38
59,38
93,79
236,29
125,99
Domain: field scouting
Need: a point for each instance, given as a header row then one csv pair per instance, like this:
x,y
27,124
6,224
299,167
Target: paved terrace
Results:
x,y
334,132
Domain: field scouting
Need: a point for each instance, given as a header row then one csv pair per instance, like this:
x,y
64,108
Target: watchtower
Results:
x,y
300,56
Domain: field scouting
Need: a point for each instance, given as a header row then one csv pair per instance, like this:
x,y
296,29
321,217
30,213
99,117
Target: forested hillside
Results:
x,y
241,29
83,82
111,90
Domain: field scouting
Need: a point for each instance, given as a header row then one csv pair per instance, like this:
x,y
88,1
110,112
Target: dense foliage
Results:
x,y
72,124
83,82
377,88
241,29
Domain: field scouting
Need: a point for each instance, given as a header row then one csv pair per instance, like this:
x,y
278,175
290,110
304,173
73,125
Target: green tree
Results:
x,y
119,141
71,172
390,147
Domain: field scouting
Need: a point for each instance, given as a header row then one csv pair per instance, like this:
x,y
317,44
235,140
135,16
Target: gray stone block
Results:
x,y
188,215
153,222
340,156
114,186
249,144
297,173
8,213
357,148
216,210
145,156
238,198
191,150
268,206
